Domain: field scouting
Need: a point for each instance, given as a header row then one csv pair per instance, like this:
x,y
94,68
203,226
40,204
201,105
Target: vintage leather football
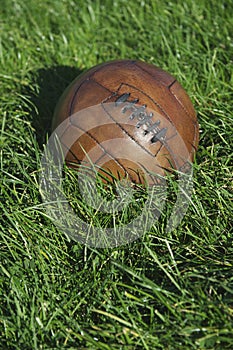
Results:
x,y
128,118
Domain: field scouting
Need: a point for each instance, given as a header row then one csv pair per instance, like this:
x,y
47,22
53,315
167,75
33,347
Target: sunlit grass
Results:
x,y
166,290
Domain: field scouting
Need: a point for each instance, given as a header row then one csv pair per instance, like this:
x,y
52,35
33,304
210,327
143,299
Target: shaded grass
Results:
x,y
164,291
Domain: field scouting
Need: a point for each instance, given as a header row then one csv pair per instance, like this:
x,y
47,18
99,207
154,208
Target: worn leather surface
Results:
x,y
129,118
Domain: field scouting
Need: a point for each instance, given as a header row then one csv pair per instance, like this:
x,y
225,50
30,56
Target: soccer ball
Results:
x,y
127,118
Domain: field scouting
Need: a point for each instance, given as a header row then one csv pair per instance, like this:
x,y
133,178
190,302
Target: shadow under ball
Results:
x,y
128,118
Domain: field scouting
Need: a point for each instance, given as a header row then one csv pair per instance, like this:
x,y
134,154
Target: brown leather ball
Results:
x,y
128,118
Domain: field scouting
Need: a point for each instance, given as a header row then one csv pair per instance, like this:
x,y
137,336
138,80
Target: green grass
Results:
x,y
164,291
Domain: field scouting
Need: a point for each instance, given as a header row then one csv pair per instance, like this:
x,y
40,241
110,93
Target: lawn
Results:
x,y
171,291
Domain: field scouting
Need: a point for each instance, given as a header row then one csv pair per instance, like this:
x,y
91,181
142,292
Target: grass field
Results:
x,y
164,291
